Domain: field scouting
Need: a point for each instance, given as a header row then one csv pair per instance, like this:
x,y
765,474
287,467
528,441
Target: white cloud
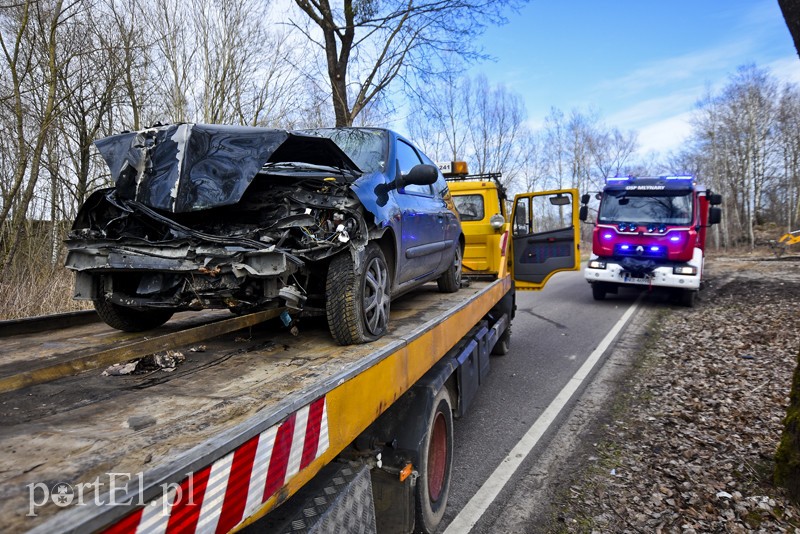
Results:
x,y
665,72
665,135
787,69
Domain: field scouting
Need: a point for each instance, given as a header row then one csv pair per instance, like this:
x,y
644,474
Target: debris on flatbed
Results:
x,y
167,361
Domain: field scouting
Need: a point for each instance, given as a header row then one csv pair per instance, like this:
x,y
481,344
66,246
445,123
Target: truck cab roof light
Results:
x,y
680,177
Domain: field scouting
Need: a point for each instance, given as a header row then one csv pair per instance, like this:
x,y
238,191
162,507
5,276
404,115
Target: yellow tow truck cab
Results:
x,y
540,226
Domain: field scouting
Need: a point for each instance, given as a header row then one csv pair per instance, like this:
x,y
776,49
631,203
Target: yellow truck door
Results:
x,y
544,236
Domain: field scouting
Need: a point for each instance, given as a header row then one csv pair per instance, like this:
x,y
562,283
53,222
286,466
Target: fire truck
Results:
x,y
650,232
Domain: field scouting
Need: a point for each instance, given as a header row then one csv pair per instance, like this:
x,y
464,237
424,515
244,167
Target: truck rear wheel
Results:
x,y
435,465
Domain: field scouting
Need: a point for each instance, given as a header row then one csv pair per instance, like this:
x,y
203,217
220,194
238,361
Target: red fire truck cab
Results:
x,y
650,231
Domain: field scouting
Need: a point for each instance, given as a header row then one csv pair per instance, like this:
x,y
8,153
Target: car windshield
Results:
x,y
366,147
622,206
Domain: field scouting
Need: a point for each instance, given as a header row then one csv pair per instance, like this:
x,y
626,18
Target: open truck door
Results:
x,y
544,236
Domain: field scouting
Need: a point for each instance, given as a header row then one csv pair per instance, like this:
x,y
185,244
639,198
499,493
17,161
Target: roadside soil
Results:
x,y
682,436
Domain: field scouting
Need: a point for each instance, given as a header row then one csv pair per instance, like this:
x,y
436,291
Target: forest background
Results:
x,y
75,71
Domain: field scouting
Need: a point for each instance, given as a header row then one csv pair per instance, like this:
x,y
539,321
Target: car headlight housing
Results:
x,y
597,264
689,270
497,221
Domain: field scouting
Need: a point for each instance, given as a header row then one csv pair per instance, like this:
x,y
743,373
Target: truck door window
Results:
x,y
552,212
407,158
470,207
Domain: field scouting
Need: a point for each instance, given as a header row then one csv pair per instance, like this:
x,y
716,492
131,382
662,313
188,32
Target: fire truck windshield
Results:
x,y
635,207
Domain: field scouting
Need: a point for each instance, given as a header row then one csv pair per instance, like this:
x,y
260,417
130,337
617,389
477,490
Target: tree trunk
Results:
x,y
787,459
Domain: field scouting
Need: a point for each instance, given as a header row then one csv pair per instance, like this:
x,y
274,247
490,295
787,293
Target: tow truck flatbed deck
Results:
x,y
79,429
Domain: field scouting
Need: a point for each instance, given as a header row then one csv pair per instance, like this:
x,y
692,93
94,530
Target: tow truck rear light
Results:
x,y
685,269
597,264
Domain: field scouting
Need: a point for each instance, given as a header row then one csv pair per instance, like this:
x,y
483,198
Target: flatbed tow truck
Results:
x,y
258,429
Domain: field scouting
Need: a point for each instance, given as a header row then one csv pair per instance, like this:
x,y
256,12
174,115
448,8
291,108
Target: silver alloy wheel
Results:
x,y
376,296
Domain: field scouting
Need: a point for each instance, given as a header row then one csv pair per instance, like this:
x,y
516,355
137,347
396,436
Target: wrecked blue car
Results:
x,y
331,222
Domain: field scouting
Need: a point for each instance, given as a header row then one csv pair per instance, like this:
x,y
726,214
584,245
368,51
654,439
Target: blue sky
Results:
x,y
643,64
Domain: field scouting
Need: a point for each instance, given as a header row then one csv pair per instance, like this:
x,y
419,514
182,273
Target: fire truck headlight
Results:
x,y
685,269
597,264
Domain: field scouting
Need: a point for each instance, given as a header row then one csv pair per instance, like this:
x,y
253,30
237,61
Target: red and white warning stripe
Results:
x,y
220,496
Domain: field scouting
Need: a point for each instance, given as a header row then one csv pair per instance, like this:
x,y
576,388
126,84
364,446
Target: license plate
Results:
x,y
629,279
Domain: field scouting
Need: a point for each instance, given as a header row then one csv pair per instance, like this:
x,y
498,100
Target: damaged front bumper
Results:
x,y
178,275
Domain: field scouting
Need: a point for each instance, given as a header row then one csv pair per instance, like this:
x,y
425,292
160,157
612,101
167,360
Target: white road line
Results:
x,y
487,493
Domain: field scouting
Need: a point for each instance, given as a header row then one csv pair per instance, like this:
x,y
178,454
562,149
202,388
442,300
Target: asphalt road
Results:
x,y
554,332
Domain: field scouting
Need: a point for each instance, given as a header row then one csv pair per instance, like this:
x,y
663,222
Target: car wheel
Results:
x,y
357,303
450,281
598,291
128,319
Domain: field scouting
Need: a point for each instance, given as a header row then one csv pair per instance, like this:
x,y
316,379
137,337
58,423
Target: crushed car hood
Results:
x,y
190,167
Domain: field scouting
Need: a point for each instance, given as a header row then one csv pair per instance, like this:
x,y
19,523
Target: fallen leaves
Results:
x,y
694,450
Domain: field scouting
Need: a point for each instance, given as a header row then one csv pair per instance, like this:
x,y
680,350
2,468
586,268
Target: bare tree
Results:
x,y
368,44
35,51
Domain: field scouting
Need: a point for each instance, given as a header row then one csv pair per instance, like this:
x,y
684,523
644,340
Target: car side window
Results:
x,y
407,157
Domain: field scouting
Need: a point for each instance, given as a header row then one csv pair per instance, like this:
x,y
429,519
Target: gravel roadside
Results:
x,y
690,420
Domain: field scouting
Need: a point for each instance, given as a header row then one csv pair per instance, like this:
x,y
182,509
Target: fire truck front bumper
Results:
x,y
684,275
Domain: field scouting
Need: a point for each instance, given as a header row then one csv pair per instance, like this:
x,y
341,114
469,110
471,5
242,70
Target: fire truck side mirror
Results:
x,y
715,199
583,214
714,215
585,198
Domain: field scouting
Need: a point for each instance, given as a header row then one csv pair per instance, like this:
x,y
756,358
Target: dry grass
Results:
x,y
43,291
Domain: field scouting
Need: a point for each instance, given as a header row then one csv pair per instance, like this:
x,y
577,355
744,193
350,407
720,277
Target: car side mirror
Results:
x,y
714,215
422,174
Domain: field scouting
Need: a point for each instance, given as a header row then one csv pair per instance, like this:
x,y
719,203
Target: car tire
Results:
x,y
450,281
128,319
598,291
357,303
435,465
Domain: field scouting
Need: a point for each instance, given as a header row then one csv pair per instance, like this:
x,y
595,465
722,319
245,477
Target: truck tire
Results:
x,y
128,319
435,465
503,344
598,291
450,281
687,297
357,303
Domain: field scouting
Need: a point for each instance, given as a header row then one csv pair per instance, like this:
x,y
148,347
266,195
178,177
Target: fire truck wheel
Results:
x,y
435,465
128,319
687,297
598,291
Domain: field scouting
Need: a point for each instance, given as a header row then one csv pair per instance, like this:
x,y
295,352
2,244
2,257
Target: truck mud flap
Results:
x,y
337,501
